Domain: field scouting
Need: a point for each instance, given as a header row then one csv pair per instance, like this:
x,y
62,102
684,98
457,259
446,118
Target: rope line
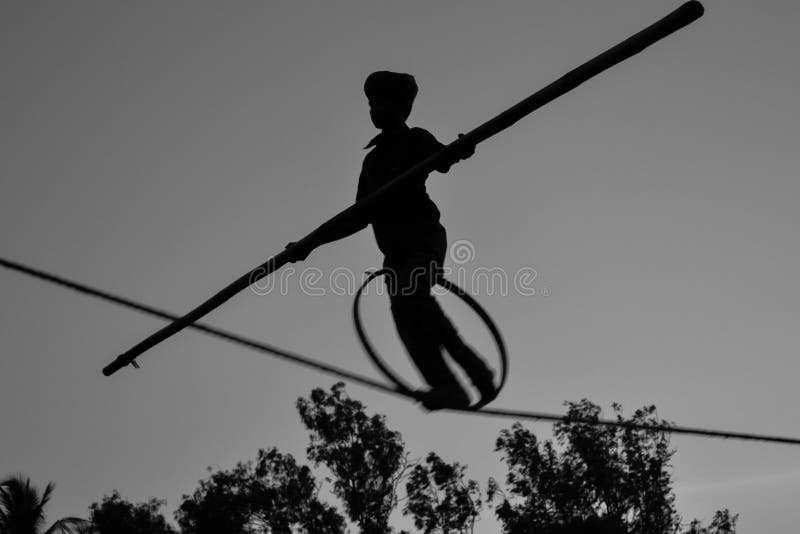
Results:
x,y
208,329
371,383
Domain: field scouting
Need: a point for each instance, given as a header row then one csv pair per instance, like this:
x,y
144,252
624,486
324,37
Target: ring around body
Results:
x,y
402,386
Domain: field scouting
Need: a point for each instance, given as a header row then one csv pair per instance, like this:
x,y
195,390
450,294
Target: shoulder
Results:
x,y
424,139
420,133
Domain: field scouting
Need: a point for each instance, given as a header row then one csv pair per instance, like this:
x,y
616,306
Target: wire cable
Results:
x,y
374,384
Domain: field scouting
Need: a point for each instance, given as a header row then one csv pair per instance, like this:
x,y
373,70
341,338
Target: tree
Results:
x,y
220,504
114,515
366,458
723,523
598,479
271,496
22,509
590,479
439,498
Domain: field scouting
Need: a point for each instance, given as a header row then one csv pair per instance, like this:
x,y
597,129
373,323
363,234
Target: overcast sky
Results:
x,y
161,149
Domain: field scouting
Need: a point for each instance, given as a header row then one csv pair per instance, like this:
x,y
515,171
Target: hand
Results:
x,y
297,252
466,151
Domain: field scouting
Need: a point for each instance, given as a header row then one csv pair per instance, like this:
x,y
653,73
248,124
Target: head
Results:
x,y
390,96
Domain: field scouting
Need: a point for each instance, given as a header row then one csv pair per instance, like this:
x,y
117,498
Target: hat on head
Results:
x,y
398,88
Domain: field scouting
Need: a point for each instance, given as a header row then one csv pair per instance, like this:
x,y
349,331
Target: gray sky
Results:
x,y
162,149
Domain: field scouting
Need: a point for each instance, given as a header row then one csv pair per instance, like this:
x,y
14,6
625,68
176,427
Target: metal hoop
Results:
x,y
468,300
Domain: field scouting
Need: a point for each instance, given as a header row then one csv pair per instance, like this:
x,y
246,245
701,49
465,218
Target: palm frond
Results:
x,y
47,494
70,525
20,504
22,509
42,502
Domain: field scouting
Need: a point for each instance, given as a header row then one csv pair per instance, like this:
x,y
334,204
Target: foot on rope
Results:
x,y
483,380
481,376
441,398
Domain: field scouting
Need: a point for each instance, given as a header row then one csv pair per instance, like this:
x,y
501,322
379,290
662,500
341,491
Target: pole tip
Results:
x,y
695,8
114,366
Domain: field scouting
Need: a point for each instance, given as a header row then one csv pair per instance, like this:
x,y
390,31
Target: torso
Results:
x,y
408,224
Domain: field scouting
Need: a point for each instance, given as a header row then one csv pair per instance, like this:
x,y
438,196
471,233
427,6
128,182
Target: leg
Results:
x,y
479,373
415,314
422,346
412,280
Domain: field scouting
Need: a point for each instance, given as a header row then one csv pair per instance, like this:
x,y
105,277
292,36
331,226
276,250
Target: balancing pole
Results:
x,y
684,15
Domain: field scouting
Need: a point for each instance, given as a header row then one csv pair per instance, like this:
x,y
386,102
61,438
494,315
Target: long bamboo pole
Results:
x,y
684,15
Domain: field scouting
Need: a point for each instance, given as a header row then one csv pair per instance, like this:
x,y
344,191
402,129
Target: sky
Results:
x,y
162,149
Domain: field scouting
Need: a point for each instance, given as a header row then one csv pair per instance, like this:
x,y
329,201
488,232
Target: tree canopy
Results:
x,y
588,478
365,457
593,478
114,515
271,495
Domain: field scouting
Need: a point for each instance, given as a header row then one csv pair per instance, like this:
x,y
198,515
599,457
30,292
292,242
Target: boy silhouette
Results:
x,y
414,242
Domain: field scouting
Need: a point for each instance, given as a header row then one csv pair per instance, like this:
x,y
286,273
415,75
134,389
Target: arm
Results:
x,y
428,145
344,225
347,224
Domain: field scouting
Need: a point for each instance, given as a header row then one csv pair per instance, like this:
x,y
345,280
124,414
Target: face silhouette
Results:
x,y
384,114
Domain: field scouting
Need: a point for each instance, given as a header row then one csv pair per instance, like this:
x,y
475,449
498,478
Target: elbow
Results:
x,y
363,221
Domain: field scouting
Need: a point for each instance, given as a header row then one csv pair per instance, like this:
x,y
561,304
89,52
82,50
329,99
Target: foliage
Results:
x,y
114,515
590,479
219,504
439,498
22,509
594,478
273,496
366,458
723,523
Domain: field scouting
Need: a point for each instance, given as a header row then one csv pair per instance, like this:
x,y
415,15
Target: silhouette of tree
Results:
x,y
366,458
439,498
114,515
593,479
272,495
590,479
22,509
723,523
221,504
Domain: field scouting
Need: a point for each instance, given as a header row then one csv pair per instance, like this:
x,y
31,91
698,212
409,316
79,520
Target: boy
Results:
x,y
413,241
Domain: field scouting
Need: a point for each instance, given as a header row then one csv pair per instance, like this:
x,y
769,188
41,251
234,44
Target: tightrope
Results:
x,y
374,384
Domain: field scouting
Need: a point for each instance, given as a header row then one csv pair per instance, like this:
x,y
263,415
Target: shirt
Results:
x,y
406,224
